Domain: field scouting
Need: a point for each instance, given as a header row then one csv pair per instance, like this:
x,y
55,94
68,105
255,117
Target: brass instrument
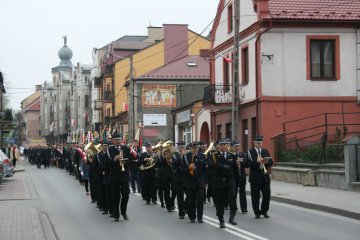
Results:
x,y
122,164
168,152
210,148
262,165
153,158
94,149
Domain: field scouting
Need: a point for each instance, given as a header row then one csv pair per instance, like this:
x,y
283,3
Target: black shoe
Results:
x,y
266,215
226,208
209,200
192,220
116,220
147,202
181,217
200,221
154,202
125,216
244,211
139,191
173,207
111,215
162,205
257,215
105,212
232,221
222,224
169,210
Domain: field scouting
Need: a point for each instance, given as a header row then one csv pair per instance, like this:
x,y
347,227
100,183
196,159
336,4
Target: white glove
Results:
x,y
82,173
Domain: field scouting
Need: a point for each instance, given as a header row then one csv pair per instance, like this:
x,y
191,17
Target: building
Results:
x,y
297,59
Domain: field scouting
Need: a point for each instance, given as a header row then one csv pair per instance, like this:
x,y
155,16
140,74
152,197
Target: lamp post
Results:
x,y
131,95
192,126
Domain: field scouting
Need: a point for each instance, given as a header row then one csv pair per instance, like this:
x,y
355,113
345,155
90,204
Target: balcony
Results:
x,y
52,115
98,105
98,82
67,110
87,104
67,127
109,96
218,95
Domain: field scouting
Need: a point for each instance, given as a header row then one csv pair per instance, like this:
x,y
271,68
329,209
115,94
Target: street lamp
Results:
x,y
131,103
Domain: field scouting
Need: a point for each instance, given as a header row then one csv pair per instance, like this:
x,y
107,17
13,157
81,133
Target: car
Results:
x,y
8,168
2,170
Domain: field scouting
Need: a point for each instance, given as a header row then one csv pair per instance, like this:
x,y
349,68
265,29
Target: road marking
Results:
x,y
229,228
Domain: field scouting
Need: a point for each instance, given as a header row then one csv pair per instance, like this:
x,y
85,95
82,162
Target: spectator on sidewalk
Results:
x,y
14,155
7,150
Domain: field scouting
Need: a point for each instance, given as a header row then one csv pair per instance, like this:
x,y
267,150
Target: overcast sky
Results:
x,y
31,32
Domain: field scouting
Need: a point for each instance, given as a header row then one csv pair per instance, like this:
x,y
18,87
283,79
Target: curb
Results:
x,y
19,169
313,206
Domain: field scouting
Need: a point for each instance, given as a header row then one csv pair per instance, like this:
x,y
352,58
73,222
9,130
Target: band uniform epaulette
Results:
x,y
231,152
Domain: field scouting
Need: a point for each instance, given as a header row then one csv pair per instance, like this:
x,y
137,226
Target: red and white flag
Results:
x,y
134,153
85,115
228,60
53,124
73,122
82,154
125,106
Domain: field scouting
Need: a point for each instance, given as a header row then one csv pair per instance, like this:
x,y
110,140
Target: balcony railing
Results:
x,y
217,94
67,110
67,126
98,82
98,105
87,104
109,96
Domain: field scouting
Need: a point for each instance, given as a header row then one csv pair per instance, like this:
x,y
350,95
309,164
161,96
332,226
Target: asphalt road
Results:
x,y
73,217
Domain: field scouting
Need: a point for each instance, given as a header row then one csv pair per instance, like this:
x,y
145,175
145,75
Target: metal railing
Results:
x,y
98,82
109,95
217,93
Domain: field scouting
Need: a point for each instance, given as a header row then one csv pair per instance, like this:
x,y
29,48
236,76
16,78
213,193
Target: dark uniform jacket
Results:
x,y
167,171
135,165
148,173
256,174
102,167
199,179
242,166
178,173
77,157
116,174
223,177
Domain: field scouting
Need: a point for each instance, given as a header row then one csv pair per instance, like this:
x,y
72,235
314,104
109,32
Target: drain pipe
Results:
x,y
358,63
257,76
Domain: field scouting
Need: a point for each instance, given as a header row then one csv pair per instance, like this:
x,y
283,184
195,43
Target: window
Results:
x,y
187,134
219,132
86,81
230,18
245,65
87,101
229,130
245,135
79,102
191,64
323,57
226,68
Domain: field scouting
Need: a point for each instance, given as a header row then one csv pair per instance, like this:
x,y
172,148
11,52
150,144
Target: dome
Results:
x,y
65,53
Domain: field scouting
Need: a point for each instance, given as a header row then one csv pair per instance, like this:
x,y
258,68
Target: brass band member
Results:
x,y
179,178
258,159
148,176
119,176
168,183
195,180
226,174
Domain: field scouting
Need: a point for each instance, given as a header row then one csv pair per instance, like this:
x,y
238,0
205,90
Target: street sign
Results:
x,y
10,140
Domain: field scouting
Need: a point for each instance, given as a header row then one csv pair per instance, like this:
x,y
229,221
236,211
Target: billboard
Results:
x,y
154,119
160,96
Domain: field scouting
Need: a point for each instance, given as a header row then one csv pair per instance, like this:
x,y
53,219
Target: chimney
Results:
x,y
204,52
175,41
154,34
37,88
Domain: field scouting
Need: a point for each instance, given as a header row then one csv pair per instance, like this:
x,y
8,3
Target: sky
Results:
x,y
31,32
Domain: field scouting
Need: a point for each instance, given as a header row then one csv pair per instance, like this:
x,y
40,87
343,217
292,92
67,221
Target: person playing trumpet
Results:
x,y
258,159
116,157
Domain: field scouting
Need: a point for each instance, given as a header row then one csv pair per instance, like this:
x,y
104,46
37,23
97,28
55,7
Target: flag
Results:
x,y
103,135
228,60
88,137
73,121
109,132
53,124
85,115
125,106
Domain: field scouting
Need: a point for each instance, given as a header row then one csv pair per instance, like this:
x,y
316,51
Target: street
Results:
x,y
55,193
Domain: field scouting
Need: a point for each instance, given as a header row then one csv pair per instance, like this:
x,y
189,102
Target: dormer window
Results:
x,y
191,64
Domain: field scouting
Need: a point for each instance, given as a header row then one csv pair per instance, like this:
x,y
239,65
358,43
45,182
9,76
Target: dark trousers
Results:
x,y
14,162
242,196
220,195
180,192
160,188
256,188
92,187
117,189
195,203
86,183
168,183
149,189
108,197
135,177
209,193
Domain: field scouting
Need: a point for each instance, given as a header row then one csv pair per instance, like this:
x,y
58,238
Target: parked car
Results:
x,y
2,170
7,165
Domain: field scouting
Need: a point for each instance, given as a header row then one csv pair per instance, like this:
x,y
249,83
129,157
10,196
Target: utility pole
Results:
x,y
235,91
131,103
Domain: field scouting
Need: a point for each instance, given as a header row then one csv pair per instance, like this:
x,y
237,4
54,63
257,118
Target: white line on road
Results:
x,y
230,229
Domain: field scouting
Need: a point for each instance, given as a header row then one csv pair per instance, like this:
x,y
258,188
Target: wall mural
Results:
x,y
161,96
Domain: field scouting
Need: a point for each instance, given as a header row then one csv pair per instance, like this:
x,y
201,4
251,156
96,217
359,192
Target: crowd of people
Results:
x,y
192,174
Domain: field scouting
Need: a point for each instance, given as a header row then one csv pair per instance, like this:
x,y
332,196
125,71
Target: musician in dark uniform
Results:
x,y
148,175
258,159
195,180
179,178
210,175
119,175
241,185
106,183
203,147
78,156
168,182
226,175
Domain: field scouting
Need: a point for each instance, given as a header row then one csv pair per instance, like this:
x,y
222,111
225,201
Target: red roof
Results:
x,y
34,106
315,9
181,70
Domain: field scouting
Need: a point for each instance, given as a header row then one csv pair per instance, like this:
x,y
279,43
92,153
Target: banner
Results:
x,y
160,96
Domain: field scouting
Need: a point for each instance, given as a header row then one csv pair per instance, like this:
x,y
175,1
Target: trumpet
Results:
x,y
122,164
262,165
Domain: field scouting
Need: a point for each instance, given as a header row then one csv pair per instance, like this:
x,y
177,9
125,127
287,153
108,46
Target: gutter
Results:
x,y
358,63
257,76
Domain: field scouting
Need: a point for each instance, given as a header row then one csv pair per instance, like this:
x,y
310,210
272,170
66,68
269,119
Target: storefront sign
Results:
x,y
182,117
160,96
147,132
154,119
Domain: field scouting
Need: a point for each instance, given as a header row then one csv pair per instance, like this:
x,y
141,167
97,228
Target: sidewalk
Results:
x,y
18,221
331,200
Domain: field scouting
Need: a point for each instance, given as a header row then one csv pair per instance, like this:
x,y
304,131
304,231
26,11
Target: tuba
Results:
x,y
94,150
154,158
168,152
